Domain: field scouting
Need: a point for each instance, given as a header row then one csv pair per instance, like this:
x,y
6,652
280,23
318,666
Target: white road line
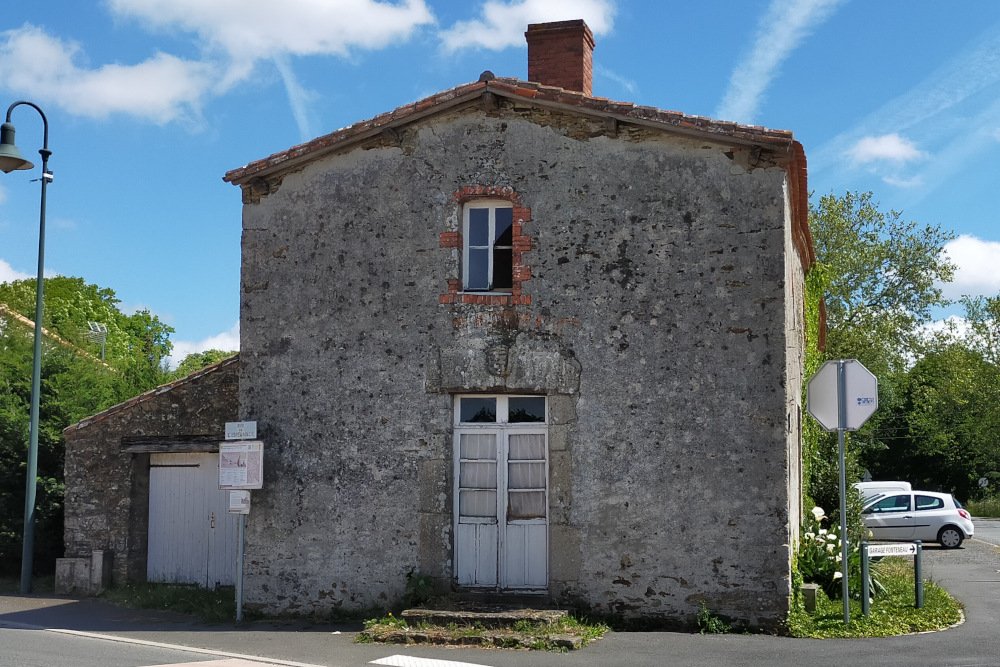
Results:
x,y
410,661
254,660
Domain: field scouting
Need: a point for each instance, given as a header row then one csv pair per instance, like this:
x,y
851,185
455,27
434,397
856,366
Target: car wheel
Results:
x,y
950,537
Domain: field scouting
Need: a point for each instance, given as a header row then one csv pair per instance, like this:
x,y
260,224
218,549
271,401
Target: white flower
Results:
x,y
822,531
839,558
818,513
830,547
837,575
810,536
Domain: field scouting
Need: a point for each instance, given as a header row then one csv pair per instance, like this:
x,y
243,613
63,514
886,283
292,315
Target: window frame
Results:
x,y
492,205
502,411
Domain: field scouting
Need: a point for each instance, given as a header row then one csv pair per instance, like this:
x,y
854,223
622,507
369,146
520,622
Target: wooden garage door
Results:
x,y
192,537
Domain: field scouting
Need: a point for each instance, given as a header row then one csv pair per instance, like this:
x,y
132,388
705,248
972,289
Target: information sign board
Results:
x,y
241,464
241,430
239,502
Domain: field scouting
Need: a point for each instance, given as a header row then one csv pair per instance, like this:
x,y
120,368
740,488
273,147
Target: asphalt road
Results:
x,y
971,573
987,530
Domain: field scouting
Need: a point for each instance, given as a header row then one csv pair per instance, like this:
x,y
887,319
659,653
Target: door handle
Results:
x,y
212,520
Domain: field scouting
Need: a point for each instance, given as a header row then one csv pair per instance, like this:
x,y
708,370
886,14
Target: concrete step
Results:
x,y
486,616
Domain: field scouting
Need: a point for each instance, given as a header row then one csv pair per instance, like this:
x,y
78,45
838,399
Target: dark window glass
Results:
x,y
526,409
479,227
929,503
503,268
504,221
479,410
478,268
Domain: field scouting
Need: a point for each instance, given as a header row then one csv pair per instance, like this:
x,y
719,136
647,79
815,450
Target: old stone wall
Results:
x,y
653,312
107,489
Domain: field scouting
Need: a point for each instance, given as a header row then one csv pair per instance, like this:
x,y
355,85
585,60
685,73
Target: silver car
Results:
x,y
918,515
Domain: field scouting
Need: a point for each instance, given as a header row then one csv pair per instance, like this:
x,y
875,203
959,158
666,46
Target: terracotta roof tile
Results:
x,y
511,87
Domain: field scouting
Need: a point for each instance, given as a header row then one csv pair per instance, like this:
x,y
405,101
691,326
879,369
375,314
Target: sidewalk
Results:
x,y
972,574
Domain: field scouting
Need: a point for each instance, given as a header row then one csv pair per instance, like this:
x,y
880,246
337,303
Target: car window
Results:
x,y
899,503
928,503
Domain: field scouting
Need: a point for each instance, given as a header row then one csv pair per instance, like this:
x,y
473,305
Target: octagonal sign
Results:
x,y
860,393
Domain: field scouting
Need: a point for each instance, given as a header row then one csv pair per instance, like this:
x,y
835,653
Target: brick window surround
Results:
x,y
521,243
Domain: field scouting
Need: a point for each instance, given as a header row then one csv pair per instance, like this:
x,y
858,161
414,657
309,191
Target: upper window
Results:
x,y
900,503
487,409
487,253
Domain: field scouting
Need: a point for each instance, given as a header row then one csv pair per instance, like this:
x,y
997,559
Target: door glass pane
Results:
x,y
526,409
477,475
527,446
479,227
504,233
475,410
525,475
478,446
526,505
477,274
477,503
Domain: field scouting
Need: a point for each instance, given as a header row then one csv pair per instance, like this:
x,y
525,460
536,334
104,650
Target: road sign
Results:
x,y
905,549
860,394
241,430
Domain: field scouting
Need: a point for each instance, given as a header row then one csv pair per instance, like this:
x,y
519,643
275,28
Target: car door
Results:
x,y
891,518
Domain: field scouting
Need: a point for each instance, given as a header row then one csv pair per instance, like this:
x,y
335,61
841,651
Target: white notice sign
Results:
x,y
908,549
241,430
241,464
239,502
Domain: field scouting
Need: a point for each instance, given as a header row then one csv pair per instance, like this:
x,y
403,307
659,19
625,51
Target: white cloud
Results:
x,y
503,23
298,97
250,30
977,261
9,274
885,147
161,89
225,341
628,84
780,31
910,183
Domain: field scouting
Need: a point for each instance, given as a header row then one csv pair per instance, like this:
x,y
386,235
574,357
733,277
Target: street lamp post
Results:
x,y
10,160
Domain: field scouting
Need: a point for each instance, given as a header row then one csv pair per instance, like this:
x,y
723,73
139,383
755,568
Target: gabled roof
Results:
x,y
779,142
153,393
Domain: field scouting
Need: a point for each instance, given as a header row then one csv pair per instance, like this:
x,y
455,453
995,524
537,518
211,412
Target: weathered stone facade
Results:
x,y
107,469
657,305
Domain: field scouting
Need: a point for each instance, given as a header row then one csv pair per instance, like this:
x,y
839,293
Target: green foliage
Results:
x,y
210,606
892,613
419,589
74,384
709,623
987,507
198,360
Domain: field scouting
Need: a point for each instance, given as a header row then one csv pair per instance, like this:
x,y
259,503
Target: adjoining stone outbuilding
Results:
x,y
516,337
512,337
157,449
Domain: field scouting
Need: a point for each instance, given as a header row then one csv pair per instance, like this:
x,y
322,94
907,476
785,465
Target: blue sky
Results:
x,y
150,102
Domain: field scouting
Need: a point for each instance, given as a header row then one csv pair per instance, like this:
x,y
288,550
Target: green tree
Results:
x,y
198,360
75,384
881,279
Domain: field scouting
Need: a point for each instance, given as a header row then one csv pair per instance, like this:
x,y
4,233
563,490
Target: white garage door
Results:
x,y
192,537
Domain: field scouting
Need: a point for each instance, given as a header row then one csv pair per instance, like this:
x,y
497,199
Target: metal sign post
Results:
x,y
842,395
240,469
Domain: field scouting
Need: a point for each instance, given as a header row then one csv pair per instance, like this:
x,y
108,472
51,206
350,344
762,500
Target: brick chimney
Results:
x,y
561,54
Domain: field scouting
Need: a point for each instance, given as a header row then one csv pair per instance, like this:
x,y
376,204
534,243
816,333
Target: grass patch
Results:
x,y
44,584
218,606
986,508
568,632
890,614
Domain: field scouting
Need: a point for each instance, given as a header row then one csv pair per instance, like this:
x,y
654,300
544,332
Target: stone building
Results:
x,y
516,337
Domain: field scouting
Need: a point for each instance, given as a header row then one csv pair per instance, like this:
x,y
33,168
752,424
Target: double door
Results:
x,y
501,507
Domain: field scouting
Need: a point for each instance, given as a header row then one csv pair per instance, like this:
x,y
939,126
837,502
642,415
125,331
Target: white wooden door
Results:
x,y
192,537
501,509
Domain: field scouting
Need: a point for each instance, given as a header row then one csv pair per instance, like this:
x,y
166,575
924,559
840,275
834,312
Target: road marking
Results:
x,y
410,661
235,662
255,661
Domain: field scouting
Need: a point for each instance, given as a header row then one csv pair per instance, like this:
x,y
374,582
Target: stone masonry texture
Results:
x,y
661,318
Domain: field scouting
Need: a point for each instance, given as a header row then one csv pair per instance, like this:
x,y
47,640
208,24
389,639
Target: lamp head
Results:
x,y
10,158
